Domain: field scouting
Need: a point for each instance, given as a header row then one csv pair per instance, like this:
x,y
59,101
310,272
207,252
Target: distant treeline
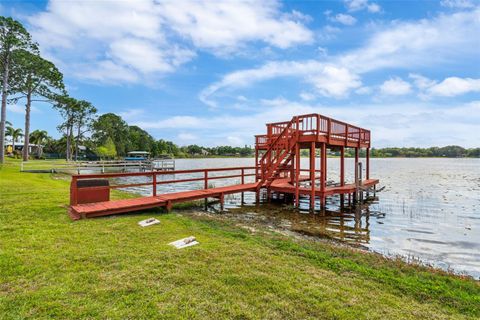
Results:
x,y
111,137
447,152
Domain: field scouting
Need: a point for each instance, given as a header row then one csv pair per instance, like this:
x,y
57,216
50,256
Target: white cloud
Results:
x,y
396,87
173,122
334,81
356,5
345,19
374,8
364,90
454,86
449,87
307,96
329,80
407,45
15,108
410,44
105,71
225,25
130,40
186,137
235,141
131,114
461,4
420,81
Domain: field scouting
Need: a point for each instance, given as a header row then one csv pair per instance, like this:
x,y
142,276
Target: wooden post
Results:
x,y
222,198
342,166
154,184
243,182
256,164
323,179
312,176
356,164
342,172
358,183
329,124
368,164
205,185
297,175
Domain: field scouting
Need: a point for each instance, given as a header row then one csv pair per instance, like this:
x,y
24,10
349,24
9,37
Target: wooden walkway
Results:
x,y
85,200
96,209
90,194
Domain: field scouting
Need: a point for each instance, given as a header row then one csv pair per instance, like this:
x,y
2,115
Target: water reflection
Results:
x,y
347,224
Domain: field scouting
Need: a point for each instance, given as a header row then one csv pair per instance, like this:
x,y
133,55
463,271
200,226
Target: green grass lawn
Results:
x,y
52,267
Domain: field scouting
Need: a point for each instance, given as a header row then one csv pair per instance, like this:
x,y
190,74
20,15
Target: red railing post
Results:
x,y
242,200
205,178
154,184
297,175
346,134
323,179
342,166
329,123
368,163
312,176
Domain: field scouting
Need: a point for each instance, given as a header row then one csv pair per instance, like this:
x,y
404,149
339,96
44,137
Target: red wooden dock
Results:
x,y
277,169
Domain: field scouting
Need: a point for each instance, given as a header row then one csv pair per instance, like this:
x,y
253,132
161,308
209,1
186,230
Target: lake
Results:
x,y
429,209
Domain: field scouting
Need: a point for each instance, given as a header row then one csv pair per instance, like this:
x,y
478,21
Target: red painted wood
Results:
x,y
277,168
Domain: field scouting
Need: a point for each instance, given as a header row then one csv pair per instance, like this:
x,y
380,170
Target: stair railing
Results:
x,y
279,148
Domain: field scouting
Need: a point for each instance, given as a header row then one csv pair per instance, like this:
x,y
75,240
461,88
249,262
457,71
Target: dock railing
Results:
x,y
152,179
71,167
311,124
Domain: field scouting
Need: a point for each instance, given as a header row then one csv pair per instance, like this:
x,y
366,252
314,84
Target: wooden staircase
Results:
x,y
280,154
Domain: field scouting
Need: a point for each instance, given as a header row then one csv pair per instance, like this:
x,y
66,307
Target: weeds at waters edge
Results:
x,y
110,268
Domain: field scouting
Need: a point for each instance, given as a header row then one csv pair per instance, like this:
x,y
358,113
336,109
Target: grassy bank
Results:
x,y
51,267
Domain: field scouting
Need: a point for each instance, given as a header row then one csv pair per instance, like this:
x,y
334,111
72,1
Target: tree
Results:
x,y
110,125
39,137
13,36
15,134
32,76
139,139
83,117
67,106
108,150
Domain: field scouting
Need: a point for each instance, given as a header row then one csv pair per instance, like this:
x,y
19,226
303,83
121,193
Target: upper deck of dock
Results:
x,y
316,128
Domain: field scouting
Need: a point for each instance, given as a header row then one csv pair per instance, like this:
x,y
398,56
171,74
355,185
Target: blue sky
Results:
x,y
213,72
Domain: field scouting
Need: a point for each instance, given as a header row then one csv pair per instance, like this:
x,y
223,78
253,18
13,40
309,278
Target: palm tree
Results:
x,y
39,137
15,134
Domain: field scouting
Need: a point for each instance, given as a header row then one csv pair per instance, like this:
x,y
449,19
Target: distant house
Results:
x,y
32,148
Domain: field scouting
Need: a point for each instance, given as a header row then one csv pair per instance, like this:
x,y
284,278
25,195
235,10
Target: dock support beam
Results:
x,y
342,172
312,176
367,174
323,176
356,174
205,186
297,175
